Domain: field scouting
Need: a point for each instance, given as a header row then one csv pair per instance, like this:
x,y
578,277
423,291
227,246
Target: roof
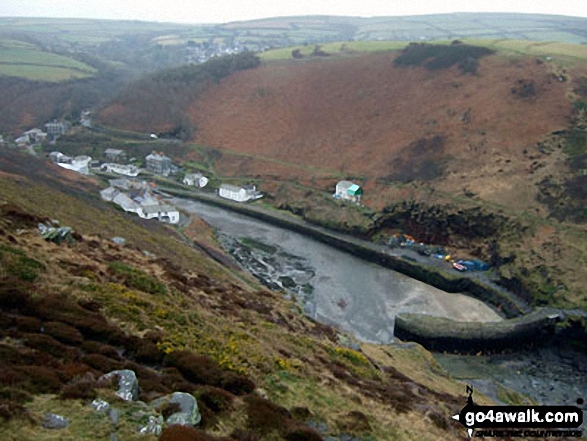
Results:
x,y
109,193
113,151
354,190
194,175
344,184
158,208
230,187
157,157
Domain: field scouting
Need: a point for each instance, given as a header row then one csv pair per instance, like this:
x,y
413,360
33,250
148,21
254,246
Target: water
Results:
x,y
356,296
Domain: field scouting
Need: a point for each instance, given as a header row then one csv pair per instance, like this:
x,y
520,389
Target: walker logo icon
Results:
x,y
519,421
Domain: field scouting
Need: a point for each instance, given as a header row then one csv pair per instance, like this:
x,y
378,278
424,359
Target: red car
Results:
x,y
459,267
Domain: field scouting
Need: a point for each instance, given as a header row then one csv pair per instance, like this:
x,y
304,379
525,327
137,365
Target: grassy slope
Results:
x,y
207,310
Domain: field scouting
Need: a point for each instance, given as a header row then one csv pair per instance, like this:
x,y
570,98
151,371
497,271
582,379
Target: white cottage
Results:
x,y
239,194
195,179
349,191
165,213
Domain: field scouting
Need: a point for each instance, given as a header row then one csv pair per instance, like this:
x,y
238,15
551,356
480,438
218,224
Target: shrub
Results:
x,y
101,363
175,432
173,379
237,384
81,390
24,323
216,399
41,379
435,57
302,433
63,332
265,416
198,369
49,345
94,347
148,352
244,435
10,409
14,297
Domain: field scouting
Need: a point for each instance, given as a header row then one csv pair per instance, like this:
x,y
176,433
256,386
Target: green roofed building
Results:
x,y
349,191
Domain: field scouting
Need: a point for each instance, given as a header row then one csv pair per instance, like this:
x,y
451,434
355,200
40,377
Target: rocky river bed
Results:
x,y
274,268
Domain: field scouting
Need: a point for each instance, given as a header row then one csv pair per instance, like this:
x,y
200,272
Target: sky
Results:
x,y
223,11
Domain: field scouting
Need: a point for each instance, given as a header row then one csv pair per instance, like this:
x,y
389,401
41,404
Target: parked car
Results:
x,y
459,267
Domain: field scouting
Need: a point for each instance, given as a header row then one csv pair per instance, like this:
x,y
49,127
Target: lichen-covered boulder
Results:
x,y
186,413
54,421
128,385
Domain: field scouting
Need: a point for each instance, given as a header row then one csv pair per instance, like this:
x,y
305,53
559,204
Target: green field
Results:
x,y
561,52
23,60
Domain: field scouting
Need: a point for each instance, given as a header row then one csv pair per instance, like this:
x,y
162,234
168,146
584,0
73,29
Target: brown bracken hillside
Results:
x,y
360,114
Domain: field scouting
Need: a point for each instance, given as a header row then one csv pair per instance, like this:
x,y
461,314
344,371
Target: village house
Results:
x,y
164,213
115,155
239,194
79,164
55,129
130,184
159,163
349,191
127,170
195,179
36,135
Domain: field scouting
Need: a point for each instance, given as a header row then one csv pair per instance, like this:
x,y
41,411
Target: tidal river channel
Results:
x,y
333,286
363,299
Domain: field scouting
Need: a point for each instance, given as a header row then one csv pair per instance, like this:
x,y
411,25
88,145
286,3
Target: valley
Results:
x,y
434,166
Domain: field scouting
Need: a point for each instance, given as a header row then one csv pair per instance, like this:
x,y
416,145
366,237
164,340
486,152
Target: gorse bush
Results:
x,y
435,57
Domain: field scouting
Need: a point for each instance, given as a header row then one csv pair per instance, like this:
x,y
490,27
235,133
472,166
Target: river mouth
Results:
x,y
333,286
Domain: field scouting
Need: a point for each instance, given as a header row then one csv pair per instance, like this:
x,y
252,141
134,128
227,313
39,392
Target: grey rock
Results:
x,y
114,416
128,386
100,405
54,421
188,414
119,240
153,427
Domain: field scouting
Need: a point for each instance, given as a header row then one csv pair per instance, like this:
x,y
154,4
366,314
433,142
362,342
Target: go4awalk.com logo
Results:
x,y
520,421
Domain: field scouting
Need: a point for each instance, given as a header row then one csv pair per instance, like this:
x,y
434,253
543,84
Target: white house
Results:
x,y
196,179
349,191
239,194
36,135
121,169
165,213
79,164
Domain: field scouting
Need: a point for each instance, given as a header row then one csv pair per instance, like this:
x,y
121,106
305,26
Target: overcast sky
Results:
x,y
222,11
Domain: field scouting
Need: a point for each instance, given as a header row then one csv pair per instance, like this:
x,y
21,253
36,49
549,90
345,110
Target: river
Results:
x,y
356,296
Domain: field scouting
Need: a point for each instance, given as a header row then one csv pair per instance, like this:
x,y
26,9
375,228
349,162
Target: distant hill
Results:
x,y
98,56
